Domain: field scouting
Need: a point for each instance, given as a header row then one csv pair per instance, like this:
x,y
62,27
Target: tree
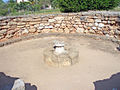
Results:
x,y
3,8
83,5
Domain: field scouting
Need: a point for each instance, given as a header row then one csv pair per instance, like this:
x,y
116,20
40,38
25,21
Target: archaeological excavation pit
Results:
x,y
98,59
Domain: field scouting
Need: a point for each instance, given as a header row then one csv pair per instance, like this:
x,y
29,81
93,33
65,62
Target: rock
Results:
x,y
25,31
83,18
40,27
18,85
59,30
88,28
51,20
57,25
107,35
90,20
112,22
96,24
118,20
85,31
101,25
46,30
90,24
80,30
59,18
105,32
3,24
98,20
12,23
91,31
9,36
48,27
117,32
66,30
1,36
78,22
21,24
109,22
11,31
32,30
3,31
94,28
105,22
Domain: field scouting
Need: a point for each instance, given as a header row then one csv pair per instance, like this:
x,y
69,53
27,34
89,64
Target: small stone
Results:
x,y
57,25
12,23
94,28
90,24
96,24
99,28
88,28
32,30
78,23
51,20
112,22
25,31
66,30
101,25
59,18
3,24
109,22
91,31
117,32
105,22
48,27
40,27
107,35
18,85
59,30
85,31
90,20
9,36
98,20
80,30
105,32
4,31
1,36
21,24
46,30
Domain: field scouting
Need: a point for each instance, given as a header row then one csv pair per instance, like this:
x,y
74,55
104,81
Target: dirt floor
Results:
x,y
98,60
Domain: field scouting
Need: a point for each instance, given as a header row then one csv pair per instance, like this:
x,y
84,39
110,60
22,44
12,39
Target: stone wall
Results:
x,y
93,22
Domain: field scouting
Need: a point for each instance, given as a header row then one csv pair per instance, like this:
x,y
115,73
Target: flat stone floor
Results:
x,y
98,60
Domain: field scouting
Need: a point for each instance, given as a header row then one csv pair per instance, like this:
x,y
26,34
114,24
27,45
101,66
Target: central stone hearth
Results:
x,y
60,56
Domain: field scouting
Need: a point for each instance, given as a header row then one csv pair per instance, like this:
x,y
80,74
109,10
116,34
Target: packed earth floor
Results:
x,y
98,60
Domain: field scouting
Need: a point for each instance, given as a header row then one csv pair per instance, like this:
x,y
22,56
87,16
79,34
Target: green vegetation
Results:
x,y
41,12
84,5
30,7
39,6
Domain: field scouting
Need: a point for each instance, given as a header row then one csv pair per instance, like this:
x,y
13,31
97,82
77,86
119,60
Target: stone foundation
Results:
x,y
62,60
98,23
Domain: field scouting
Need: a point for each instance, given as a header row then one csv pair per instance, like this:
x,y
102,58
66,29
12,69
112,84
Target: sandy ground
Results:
x,y
98,60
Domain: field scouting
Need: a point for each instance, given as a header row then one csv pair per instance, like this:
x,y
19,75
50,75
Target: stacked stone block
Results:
x,y
101,23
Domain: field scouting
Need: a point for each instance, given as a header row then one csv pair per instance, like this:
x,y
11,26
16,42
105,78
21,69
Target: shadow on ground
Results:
x,y
113,83
6,83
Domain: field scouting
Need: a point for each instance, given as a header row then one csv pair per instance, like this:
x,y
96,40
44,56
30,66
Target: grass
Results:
x,y
45,12
42,12
116,9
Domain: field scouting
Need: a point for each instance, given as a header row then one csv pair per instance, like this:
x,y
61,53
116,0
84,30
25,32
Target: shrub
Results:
x,y
83,5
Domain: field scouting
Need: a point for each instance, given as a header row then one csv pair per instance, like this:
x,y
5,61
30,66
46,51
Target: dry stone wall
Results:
x,y
94,22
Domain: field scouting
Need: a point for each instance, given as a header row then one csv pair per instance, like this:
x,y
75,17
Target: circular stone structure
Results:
x,y
98,60
59,56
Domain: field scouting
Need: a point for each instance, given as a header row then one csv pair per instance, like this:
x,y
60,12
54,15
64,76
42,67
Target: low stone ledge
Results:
x,y
42,35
